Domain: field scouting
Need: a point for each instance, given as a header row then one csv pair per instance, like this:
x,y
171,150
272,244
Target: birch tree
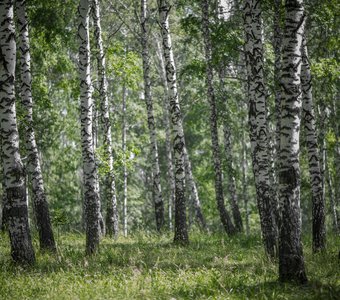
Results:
x,y
258,122
193,191
181,230
125,172
91,195
157,191
291,261
227,139
224,215
166,122
40,203
112,227
308,117
15,189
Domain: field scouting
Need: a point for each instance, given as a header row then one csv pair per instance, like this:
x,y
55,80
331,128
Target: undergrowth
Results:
x,y
150,266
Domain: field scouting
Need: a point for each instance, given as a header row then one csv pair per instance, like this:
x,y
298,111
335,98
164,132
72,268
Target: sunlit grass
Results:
x,y
150,267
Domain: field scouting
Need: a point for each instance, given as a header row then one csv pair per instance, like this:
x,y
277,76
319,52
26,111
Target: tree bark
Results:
x,y
331,199
166,121
40,203
91,195
258,123
291,261
224,215
193,191
125,174
16,206
112,228
229,158
308,116
181,230
157,191
244,181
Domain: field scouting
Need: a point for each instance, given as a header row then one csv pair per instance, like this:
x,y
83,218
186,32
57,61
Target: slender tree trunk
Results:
x,y
17,212
193,191
244,181
112,227
331,199
125,174
40,203
157,191
231,178
188,169
181,230
3,224
308,116
229,158
166,122
224,215
336,113
91,197
291,261
258,122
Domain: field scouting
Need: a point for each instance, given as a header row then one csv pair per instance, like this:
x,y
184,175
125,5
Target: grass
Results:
x,y
151,267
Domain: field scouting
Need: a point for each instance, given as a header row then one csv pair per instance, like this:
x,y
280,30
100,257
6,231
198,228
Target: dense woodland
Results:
x,y
177,124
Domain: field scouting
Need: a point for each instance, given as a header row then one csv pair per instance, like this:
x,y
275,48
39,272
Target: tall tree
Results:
x,y
15,189
112,227
193,191
227,139
224,215
181,230
91,195
188,169
166,122
291,261
125,173
308,117
157,191
40,203
258,122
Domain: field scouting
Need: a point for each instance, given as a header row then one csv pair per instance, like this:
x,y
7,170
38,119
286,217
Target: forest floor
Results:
x,y
151,267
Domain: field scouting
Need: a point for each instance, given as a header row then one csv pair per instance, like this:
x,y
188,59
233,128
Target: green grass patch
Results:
x,y
152,267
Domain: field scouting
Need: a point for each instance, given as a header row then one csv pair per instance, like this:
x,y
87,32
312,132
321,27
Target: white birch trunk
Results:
x,y
125,174
291,261
166,123
16,206
40,203
258,122
181,231
224,215
308,116
112,227
331,199
91,196
193,191
157,190
229,157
